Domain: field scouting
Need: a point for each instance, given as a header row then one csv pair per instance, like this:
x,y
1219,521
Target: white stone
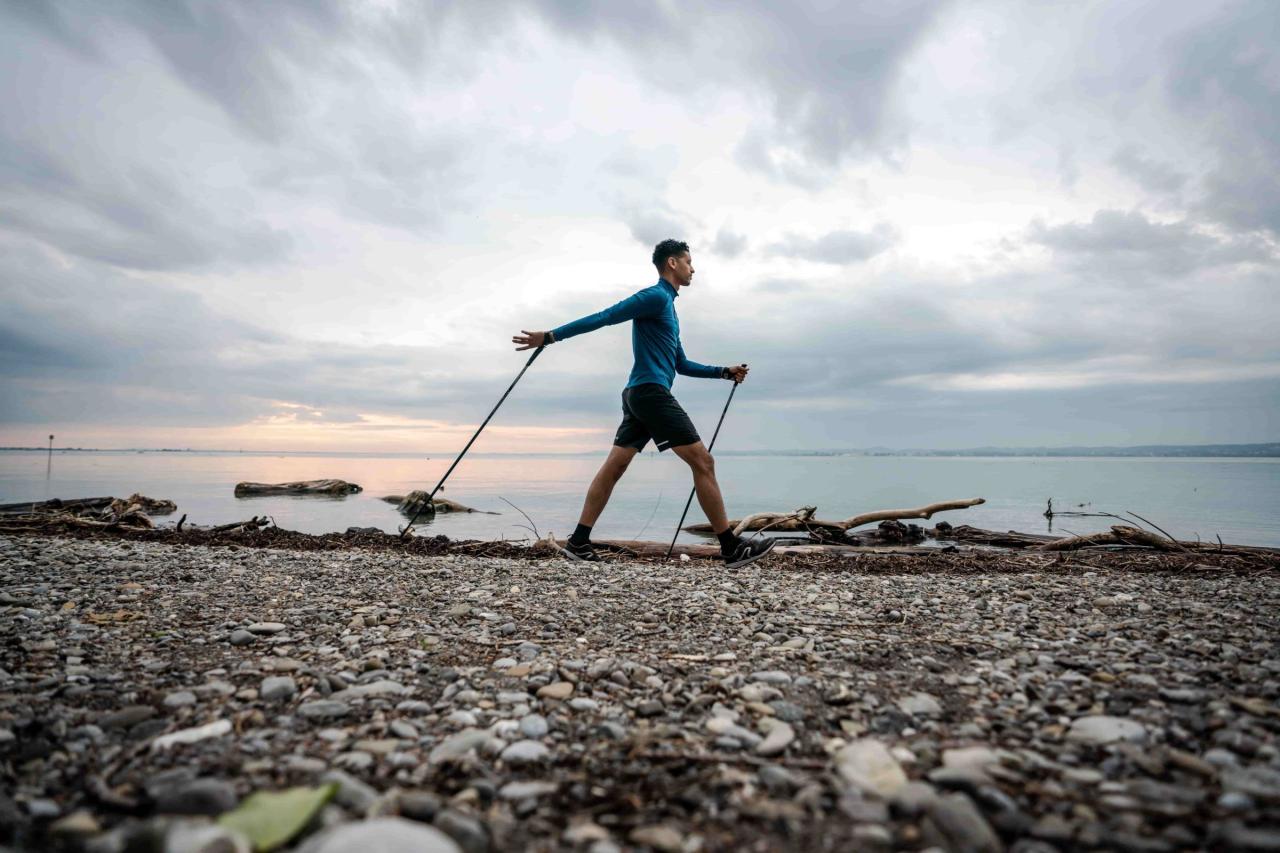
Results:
x,y
778,739
1100,729
192,735
382,835
868,765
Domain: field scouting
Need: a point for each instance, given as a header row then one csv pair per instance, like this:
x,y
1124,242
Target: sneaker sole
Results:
x,y
573,556
766,552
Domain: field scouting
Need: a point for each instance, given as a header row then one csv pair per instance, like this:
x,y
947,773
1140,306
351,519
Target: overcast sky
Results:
x,y
316,225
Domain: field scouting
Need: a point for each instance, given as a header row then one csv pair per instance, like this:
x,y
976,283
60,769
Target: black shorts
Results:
x,y
649,411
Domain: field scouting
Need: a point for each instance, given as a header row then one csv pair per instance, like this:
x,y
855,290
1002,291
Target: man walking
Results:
x,y
648,409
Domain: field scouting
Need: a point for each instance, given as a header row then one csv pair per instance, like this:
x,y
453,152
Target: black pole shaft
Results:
x,y
694,490
479,429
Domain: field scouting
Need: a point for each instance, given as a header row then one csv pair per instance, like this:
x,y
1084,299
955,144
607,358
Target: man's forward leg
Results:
x,y
736,551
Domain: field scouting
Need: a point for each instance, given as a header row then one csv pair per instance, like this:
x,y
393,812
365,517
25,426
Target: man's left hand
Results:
x,y
738,373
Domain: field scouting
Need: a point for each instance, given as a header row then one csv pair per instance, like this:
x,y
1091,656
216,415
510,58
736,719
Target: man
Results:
x,y
648,409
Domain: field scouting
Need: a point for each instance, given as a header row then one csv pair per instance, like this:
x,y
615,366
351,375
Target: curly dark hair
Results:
x,y
668,249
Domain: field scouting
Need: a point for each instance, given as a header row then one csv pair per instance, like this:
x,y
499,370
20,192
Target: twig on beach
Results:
x,y
533,528
1156,526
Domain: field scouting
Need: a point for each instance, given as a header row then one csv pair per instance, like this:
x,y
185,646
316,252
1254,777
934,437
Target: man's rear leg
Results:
x,y
598,493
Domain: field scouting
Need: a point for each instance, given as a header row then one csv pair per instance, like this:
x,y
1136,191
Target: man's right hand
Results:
x,y
529,340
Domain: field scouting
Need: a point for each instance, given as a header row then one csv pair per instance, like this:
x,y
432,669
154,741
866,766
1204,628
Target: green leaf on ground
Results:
x,y
270,818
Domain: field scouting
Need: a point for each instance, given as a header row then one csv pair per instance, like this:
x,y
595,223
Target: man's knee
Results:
x,y
616,464
702,462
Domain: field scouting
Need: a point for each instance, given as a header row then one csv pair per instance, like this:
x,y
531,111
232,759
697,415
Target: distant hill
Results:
x,y
1155,450
1161,450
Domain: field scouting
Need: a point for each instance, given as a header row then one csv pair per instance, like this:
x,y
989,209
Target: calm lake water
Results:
x,y
1237,499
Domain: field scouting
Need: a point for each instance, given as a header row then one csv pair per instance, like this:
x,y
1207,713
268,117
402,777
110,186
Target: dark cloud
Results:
x,y
838,247
827,72
1152,175
139,218
1224,81
653,225
729,243
1117,240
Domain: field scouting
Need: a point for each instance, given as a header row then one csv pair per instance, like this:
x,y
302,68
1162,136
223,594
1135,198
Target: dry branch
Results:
x,y
802,519
1118,535
238,526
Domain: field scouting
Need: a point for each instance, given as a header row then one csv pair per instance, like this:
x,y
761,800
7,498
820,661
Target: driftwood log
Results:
x,y
302,487
413,503
129,513
1118,535
242,526
977,536
73,505
137,502
802,519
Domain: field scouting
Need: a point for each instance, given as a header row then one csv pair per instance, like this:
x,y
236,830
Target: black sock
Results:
x,y
581,535
728,540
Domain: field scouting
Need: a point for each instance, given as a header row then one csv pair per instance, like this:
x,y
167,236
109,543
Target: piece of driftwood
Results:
x,y
55,505
130,513
978,536
802,519
301,487
412,504
240,526
142,503
1118,535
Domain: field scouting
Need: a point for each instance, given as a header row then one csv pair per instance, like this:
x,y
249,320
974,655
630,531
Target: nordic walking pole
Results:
x,y
689,502
430,498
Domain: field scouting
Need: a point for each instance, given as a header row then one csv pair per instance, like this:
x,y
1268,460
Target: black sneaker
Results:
x,y
748,551
575,551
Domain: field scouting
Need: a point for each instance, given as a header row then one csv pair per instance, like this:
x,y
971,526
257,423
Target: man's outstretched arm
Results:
x,y
686,367
642,304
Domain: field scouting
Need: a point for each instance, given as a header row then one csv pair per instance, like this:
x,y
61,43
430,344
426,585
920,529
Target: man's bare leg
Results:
x,y
704,483
736,552
598,493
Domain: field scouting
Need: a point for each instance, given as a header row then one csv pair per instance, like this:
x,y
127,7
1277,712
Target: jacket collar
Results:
x,y
670,287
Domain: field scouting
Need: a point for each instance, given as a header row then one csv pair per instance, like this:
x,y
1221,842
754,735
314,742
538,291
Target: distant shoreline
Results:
x,y
1162,451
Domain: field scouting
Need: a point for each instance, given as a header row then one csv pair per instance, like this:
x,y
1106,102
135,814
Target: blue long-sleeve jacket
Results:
x,y
655,336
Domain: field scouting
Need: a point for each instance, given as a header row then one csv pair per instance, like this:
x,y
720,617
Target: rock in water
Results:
x,y
417,503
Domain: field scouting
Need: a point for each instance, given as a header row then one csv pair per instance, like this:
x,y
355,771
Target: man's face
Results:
x,y
680,269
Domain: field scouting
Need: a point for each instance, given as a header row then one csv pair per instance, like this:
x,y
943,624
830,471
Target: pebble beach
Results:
x,y
467,700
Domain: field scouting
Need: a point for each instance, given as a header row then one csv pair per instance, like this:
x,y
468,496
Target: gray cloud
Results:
x,y
1152,175
729,243
1225,82
1128,241
838,247
653,225
827,71
139,218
